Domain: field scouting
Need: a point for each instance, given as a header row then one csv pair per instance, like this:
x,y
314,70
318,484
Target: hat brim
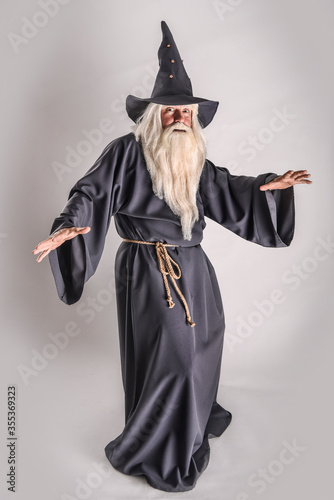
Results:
x,y
135,106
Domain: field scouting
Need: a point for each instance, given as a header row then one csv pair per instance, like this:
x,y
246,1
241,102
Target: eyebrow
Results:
x,y
184,107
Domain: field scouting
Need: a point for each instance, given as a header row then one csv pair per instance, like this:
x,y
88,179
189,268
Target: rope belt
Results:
x,y
166,263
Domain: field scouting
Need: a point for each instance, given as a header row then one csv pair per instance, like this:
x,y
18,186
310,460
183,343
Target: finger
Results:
x,y
304,181
266,187
83,230
302,176
49,242
288,174
43,255
297,176
43,245
300,172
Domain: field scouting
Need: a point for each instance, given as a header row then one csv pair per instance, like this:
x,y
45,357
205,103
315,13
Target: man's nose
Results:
x,y
178,117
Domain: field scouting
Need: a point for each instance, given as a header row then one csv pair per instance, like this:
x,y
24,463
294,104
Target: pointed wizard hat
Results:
x,y
172,85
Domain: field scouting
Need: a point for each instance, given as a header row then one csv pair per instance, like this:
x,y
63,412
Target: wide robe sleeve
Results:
x,y
92,202
236,202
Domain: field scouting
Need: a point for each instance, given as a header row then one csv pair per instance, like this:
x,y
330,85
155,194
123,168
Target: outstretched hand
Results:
x,y
290,178
57,239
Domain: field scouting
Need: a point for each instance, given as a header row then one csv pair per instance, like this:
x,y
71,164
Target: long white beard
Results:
x,y
175,164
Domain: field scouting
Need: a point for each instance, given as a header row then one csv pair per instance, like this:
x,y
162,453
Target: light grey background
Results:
x,y
259,59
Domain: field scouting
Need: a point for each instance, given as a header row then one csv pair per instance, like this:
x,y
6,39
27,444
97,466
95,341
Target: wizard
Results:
x,y
159,188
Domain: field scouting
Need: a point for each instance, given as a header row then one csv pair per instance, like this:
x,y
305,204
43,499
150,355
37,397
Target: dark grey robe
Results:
x,y
170,370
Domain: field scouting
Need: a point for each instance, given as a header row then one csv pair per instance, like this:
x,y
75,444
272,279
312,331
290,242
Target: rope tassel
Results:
x,y
166,264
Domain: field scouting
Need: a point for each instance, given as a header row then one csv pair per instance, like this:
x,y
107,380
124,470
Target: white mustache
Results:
x,y
178,126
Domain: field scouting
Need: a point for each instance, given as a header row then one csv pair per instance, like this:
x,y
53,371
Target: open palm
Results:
x,y
57,239
290,178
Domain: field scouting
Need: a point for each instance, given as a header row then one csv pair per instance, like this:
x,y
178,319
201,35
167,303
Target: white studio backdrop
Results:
x,y
67,67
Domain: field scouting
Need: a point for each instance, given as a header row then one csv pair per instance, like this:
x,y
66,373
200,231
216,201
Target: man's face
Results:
x,y
176,114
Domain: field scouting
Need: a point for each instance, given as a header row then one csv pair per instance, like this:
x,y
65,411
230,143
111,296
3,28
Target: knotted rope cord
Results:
x,y
165,263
